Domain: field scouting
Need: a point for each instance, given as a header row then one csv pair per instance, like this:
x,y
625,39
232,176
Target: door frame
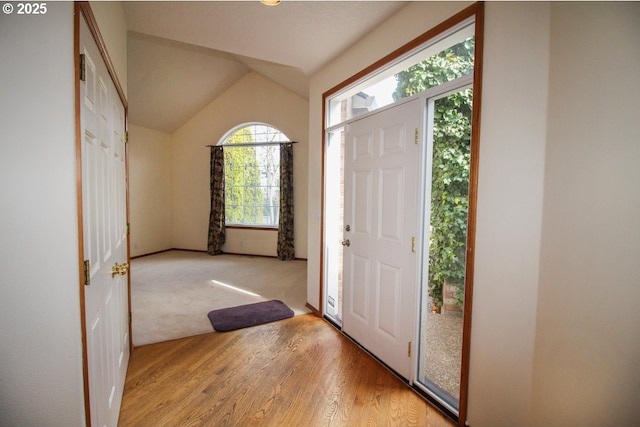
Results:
x,y
426,157
476,11
82,10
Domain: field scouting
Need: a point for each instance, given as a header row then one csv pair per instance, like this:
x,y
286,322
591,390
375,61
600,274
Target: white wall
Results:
x,y
40,340
511,177
587,358
150,190
252,99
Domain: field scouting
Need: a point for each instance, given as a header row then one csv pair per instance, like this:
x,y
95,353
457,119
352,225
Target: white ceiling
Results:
x,y
182,55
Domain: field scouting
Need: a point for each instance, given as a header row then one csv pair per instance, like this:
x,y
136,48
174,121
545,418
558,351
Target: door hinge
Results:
x,y
413,244
87,272
409,349
126,136
417,136
130,317
83,74
128,228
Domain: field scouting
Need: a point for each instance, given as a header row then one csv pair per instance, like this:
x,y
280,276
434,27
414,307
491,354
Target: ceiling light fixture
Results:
x,y
270,2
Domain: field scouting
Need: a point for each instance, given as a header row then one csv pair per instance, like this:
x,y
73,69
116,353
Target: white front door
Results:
x,y
380,227
105,237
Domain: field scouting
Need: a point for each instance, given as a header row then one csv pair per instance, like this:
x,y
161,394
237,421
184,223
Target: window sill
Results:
x,y
252,227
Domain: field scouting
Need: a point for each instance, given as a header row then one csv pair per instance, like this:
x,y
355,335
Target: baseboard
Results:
x,y
313,310
203,252
189,250
259,256
151,253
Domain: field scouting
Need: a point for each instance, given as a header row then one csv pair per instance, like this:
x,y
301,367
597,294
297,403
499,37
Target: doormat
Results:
x,y
244,316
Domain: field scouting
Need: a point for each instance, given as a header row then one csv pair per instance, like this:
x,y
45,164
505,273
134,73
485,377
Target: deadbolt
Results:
x,y
347,227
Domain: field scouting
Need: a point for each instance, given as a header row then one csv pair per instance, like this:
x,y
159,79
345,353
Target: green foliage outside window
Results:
x,y
243,194
451,160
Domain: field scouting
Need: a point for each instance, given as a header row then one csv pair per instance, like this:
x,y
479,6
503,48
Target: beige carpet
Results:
x,y
172,292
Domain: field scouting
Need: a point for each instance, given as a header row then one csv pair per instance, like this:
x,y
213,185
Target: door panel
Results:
x,y
380,282
388,288
102,117
359,301
390,218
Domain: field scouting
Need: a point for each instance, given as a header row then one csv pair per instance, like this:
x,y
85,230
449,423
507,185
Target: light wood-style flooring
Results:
x,y
296,372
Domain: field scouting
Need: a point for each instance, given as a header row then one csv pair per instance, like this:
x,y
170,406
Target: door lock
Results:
x,y
347,228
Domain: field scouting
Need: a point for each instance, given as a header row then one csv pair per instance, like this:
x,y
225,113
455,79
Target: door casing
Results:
x,y
476,10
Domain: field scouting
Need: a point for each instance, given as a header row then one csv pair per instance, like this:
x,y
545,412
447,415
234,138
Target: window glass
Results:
x,y
453,53
252,175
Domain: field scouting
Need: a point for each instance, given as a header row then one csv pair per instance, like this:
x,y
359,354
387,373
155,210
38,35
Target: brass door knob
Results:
x,y
120,269
124,269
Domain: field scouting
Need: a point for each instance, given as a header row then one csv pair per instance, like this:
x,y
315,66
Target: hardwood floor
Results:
x,y
296,372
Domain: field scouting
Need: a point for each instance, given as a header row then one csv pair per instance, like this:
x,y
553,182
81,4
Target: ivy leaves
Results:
x,y
450,161
449,191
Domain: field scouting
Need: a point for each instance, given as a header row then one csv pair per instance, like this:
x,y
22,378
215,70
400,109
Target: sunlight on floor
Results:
x,y
233,288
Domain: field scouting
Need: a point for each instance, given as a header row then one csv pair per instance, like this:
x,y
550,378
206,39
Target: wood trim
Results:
x,y
477,10
249,227
431,33
323,190
249,255
154,253
128,222
84,9
472,213
258,256
314,310
204,252
83,319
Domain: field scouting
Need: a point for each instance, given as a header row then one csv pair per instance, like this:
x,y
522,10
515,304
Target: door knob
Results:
x,y
124,269
120,269
346,242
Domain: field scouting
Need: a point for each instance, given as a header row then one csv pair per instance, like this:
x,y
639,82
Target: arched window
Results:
x,y
252,175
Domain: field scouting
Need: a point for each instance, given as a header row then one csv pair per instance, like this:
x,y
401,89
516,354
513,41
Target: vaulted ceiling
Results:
x,y
182,55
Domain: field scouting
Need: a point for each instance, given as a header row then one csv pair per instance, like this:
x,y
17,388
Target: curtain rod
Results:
x,y
252,144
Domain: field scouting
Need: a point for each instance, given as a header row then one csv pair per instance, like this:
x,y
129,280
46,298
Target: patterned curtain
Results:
x,y
216,217
286,249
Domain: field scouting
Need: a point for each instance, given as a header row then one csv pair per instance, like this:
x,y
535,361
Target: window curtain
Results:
x,y
216,217
286,249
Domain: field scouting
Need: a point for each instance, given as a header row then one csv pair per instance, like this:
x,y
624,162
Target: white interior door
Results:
x,y
105,238
380,223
